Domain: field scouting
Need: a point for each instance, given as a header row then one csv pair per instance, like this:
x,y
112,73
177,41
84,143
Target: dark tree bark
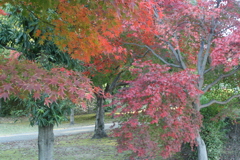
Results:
x,y
45,142
99,124
113,115
72,117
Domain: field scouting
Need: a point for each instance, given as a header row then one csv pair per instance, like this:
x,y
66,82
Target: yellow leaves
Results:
x,y
41,42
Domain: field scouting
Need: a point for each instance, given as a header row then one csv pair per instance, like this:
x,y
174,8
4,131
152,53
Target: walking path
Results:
x,y
57,132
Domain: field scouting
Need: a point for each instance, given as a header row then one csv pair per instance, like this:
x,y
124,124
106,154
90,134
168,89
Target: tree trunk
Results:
x,y
99,124
72,117
0,106
202,150
113,115
45,142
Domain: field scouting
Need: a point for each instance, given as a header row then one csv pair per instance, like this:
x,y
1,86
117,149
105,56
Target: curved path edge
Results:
x,y
57,132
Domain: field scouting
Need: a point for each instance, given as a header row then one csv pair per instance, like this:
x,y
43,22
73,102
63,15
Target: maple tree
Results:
x,y
34,46
81,28
25,79
197,39
106,72
42,90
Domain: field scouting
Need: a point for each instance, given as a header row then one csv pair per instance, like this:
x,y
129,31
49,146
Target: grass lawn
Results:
x,y
73,147
79,146
10,125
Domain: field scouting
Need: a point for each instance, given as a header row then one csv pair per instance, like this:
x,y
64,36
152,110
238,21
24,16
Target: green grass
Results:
x,y
73,147
10,126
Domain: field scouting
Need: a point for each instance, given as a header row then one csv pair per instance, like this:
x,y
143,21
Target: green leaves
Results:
x,y
42,88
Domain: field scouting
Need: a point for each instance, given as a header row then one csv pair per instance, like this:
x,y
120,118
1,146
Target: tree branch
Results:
x,y
207,70
179,54
224,30
219,78
207,53
11,48
154,53
219,102
218,3
170,46
163,60
36,15
113,85
200,54
121,84
143,54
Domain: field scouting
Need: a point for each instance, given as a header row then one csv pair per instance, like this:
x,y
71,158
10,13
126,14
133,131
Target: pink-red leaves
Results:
x,y
2,12
4,95
227,50
157,108
26,79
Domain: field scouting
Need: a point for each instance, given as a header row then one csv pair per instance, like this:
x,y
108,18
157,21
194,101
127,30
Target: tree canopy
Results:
x,y
193,45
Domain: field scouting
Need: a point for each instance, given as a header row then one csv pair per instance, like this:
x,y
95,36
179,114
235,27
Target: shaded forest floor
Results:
x,y
232,145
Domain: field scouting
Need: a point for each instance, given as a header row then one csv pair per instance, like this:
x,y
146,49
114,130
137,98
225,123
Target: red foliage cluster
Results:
x,y
25,79
227,50
156,110
2,12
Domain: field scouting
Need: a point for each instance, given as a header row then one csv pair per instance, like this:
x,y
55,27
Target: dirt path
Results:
x,y
57,132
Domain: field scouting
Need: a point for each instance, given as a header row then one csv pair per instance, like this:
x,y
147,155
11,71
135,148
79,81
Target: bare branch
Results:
x,y
219,102
170,47
224,30
200,54
154,53
11,48
114,83
163,60
207,53
179,54
218,3
220,78
207,70
122,84
143,54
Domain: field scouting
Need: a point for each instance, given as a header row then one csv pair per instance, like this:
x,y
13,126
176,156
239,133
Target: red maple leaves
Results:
x,y
157,111
25,79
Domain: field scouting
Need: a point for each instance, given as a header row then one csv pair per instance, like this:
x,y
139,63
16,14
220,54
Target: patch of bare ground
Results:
x,y
231,149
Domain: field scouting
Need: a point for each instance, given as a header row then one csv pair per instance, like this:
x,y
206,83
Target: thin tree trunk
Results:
x,y
113,115
99,124
45,142
0,106
202,150
72,117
